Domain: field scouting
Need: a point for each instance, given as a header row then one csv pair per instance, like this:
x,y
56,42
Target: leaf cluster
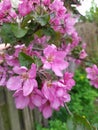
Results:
x,y
54,125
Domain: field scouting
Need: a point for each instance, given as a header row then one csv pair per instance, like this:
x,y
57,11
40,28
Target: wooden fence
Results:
x,y
89,34
13,119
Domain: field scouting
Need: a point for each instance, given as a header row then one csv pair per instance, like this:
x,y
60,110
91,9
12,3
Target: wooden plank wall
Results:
x,y
13,119
89,34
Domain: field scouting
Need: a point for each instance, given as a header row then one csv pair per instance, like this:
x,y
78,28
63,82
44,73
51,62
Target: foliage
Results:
x,y
92,14
75,122
54,125
79,123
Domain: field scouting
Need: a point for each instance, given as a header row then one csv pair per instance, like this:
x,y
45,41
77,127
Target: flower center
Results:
x,y
50,58
49,84
25,76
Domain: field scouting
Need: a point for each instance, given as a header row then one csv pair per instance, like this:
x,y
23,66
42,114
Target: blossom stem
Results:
x,y
67,109
37,49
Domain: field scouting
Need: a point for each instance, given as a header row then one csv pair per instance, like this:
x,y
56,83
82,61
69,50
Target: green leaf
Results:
x,y
55,36
39,33
7,34
18,31
42,20
25,60
26,19
49,31
37,61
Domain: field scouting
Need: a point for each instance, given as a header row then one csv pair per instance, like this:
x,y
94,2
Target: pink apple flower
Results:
x,y
57,6
33,100
68,81
46,2
83,54
54,60
11,60
25,7
25,79
46,109
92,72
5,6
94,82
69,24
55,95
21,101
3,76
92,75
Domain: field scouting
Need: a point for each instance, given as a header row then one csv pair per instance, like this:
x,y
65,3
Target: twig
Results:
x,y
37,49
67,109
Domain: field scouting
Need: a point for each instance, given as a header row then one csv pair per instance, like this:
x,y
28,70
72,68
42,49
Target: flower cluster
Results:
x,y
92,74
42,41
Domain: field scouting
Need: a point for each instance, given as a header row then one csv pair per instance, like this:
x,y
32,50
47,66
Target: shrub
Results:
x,y
54,125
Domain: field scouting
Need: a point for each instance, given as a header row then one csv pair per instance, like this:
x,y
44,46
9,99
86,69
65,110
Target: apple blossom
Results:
x,y
25,80
54,60
43,43
92,75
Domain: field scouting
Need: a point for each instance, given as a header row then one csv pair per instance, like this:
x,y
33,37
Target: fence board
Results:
x,y
4,112
13,119
27,121
13,113
1,121
32,120
89,34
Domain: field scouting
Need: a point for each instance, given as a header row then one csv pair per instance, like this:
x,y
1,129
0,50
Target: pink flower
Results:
x,y
46,2
94,82
68,81
69,24
2,76
25,80
55,95
92,72
11,60
25,7
58,7
32,100
83,54
21,101
54,60
5,6
48,90
46,109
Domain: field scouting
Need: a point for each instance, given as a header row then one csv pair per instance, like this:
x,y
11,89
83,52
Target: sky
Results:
x,y
86,4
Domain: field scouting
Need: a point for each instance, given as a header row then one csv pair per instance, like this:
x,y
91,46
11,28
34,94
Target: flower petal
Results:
x,y
20,100
28,86
37,100
14,83
47,65
47,112
32,71
19,70
55,103
57,71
